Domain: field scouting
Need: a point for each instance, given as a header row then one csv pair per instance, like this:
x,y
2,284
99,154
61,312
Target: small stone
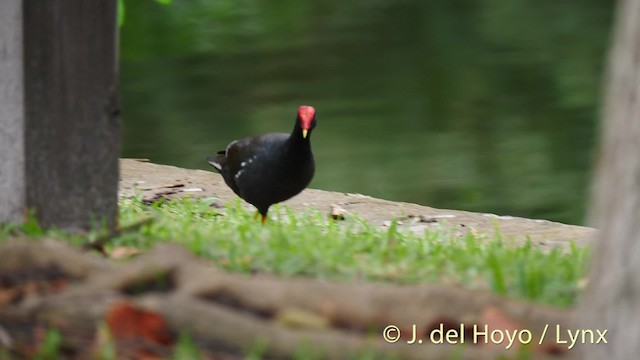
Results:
x,y
337,213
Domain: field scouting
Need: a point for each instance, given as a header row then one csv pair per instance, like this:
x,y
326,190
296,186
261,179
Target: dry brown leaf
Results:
x,y
297,318
127,321
124,252
337,213
496,319
9,295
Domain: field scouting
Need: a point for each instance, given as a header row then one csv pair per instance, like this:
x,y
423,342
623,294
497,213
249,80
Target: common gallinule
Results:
x,y
270,168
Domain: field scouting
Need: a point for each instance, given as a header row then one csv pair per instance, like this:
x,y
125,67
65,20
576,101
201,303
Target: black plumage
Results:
x,y
270,168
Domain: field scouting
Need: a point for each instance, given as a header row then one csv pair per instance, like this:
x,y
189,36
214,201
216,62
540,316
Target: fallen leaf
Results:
x,y
124,252
127,321
298,318
337,213
496,319
193,190
5,339
9,295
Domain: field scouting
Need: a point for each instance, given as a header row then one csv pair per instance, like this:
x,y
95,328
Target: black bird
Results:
x,y
270,168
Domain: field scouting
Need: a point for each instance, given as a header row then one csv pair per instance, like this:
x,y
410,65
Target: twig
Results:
x,y
99,243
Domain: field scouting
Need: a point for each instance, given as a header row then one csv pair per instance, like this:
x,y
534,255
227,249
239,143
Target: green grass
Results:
x,y
51,346
308,243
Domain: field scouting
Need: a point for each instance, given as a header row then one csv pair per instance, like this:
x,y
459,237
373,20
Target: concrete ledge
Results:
x,y
153,180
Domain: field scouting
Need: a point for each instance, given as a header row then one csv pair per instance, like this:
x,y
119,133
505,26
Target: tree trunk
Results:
x,y
12,186
612,301
60,112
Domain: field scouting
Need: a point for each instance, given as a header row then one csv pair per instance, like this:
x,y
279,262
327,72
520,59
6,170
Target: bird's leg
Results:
x,y
263,217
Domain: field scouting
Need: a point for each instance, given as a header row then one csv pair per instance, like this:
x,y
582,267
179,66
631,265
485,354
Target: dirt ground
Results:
x,y
154,181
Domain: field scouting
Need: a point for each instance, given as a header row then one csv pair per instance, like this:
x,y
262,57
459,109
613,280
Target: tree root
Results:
x,y
166,290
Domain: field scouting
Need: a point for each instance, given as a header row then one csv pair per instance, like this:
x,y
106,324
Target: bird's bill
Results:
x,y
306,114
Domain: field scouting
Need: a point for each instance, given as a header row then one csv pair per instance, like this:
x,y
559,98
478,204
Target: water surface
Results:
x,y
477,105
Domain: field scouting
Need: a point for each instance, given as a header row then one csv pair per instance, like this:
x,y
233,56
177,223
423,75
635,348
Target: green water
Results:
x,y
487,106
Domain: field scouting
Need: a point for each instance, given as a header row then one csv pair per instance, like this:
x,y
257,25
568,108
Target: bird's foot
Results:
x,y
263,218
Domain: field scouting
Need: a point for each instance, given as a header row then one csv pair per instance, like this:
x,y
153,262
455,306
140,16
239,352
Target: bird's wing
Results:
x,y
255,147
242,153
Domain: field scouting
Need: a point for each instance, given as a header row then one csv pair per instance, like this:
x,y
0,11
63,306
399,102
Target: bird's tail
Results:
x,y
217,161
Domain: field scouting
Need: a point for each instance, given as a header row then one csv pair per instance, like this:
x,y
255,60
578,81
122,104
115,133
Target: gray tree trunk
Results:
x,y
12,185
59,112
613,298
